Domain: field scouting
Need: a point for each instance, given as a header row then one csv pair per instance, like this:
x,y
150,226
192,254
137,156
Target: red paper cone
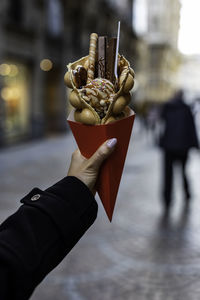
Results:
x,y
89,138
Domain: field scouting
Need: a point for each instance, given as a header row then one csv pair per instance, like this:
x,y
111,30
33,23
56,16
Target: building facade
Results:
x,y
157,23
32,99
162,38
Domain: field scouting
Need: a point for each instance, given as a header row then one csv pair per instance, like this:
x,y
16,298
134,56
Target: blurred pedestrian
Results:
x,y
152,122
36,238
178,137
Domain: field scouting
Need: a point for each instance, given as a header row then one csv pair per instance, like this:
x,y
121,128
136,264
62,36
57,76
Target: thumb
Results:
x,y
102,153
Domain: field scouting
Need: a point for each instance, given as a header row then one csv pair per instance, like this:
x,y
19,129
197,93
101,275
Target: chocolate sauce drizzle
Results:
x,y
101,67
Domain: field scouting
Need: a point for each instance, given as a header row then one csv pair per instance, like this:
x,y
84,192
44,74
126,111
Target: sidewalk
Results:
x,y
135,256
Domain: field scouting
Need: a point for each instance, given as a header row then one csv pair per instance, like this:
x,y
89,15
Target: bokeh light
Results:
x,y
8,93
13,71
5,69
46,65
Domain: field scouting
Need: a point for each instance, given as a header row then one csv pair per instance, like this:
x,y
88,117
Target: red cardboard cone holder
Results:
x,y
89,138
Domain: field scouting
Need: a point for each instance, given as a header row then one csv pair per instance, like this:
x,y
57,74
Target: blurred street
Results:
x,y
143,254
140,255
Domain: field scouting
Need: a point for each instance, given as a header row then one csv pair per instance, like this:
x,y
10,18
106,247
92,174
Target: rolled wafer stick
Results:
x,y
92,56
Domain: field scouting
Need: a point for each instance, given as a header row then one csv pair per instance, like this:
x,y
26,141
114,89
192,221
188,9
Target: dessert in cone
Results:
x,y
100,98
89,138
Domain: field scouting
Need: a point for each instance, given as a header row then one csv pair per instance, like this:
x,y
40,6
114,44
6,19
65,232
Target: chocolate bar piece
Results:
x,y
110,59
83,75
102,43
80,76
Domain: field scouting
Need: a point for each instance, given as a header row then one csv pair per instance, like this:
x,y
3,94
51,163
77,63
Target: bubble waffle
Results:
x,y
99,100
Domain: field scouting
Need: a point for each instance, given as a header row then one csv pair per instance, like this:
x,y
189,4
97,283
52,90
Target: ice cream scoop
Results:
x,y
98,93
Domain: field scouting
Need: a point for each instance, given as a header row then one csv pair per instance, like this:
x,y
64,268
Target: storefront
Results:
x,y
15,101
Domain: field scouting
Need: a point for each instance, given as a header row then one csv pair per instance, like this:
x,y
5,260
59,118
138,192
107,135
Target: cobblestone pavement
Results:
x,y
139,255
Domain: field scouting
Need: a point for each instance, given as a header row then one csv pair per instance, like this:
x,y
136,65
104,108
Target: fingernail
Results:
x,y
112,142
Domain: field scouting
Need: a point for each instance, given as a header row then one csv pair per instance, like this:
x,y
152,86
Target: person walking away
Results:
x,y
179,136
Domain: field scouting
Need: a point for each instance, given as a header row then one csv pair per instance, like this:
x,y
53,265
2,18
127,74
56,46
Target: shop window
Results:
x,y
15,96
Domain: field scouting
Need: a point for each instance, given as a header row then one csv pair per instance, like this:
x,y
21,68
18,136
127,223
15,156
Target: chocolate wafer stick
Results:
x,y
102,43
110,59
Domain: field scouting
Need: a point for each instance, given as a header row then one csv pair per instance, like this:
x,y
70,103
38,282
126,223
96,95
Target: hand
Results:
x,y
87,169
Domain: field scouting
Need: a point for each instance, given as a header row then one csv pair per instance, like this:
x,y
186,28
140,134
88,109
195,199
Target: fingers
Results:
x,y
102,153
87,169
76,160
76,153
77,156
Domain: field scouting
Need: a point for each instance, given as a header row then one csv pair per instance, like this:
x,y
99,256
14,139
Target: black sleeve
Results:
x,y
39,235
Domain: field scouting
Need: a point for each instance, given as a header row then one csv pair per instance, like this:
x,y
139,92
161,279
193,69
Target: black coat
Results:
x,y
179,133
35,239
